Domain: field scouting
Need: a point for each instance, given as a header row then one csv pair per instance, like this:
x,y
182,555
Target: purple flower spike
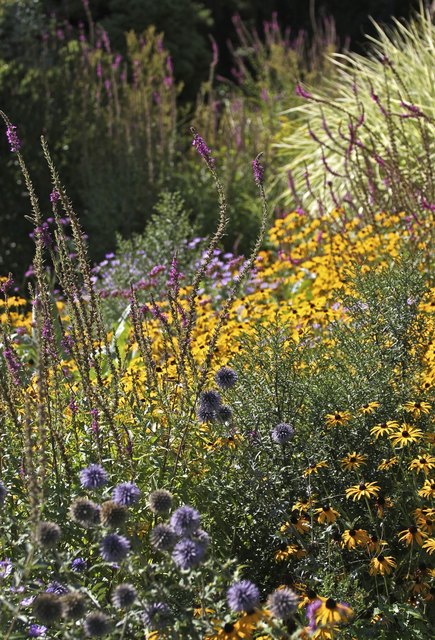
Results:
x,y
300,91
13,139
202,148
258,170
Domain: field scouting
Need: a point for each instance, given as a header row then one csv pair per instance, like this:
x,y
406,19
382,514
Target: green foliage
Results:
x,y
365,140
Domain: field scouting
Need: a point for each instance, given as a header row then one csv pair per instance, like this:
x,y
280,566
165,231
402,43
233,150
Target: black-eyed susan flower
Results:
x,y
369,408
406,435
382,564
331,612
383,503
374,545
418,586
338,419
429,545
363,490
297,521
417,408
384,428
314,467
353,537
289,551
326,514
411,535
353,461
307,597
424,462
387,463
428,489
305,504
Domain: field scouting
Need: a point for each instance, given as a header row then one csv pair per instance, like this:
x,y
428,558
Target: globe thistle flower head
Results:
x,y
48,534
47,608
188,553
126,493
202,538
283,603
3,493
79,565
243,596
225,413
163,537
205,414
156,615
226,378
210,400
160,501
124,596
185,520
282,433
73,605
97,625
114,548
93,477
113,515
85,512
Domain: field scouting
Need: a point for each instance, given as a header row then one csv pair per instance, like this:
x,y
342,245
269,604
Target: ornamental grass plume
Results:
x,y
113,515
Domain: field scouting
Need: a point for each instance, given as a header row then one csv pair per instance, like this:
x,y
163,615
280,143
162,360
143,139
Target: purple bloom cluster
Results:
x,y
185,520
79,565
93,477
126,493
202,148
243,596
258,171
13,139
36,631
114,548
282,433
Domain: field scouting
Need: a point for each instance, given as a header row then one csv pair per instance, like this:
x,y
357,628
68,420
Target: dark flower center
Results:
x,y
405,434
362,486
311,594
413,530
352,459
330,603
381,557
432,486
374,538
352,533
423,461
337,416
228,627
417,405
326,508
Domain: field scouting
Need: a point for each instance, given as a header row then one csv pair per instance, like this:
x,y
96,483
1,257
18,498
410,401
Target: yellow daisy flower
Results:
x,y
291,550
384,428
326,515
424,462
375,545
363,490
314,467
417,408
369,408
297,521
353,537
332,612
427,490
382,564
406,435
304,504
412,534
337,419
429,546
353,461
387,463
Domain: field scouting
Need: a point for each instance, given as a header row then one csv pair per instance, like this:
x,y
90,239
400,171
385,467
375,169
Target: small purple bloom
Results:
x,y
93,477
5,568
188,553
36,631
202,148
114,548
185,520
243,596
282,433
126,493
13,139
54,196
57,588
300,91
258,171
79,565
